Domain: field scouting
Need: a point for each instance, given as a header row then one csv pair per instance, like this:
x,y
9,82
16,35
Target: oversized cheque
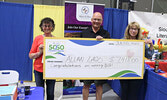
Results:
x,y
92,59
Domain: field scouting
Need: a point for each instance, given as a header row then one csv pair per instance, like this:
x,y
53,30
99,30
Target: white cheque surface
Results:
x,y
91,59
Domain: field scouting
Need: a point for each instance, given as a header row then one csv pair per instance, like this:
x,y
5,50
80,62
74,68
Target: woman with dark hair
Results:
x,y
130,88
47,26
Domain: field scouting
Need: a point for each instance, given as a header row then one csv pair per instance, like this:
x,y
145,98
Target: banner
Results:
x,y
78,16
91,59
154,23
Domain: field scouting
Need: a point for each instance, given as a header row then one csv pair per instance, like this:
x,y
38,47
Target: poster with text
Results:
x,y
155,24
78,16
82,59
91,59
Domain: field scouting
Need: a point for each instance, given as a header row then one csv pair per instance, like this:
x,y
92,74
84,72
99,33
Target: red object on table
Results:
x,y
151,64
163,74
164,55
4,85
162,65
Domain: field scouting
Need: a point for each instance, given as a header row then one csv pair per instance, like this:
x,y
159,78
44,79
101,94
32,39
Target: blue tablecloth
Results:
x,y
154,86
36,93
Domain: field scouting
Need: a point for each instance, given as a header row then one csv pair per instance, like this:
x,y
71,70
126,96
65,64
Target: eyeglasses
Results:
x,y
95,19
47,26
135,29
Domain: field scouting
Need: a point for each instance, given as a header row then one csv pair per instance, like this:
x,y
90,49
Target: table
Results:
x,y
36,93
154,86
162,65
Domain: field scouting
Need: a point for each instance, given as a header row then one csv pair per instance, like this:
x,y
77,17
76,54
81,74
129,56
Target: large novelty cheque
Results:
x,y
92,59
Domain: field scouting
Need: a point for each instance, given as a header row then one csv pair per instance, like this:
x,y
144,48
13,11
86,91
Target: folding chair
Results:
x,y
8,77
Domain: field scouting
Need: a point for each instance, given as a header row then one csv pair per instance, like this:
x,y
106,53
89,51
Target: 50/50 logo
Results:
x,y
55,47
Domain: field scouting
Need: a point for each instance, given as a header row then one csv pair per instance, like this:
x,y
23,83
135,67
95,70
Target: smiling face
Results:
x,y
96,20
47,28
133,31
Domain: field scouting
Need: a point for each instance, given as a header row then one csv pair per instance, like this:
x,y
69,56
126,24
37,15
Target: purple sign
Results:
x,y
75,13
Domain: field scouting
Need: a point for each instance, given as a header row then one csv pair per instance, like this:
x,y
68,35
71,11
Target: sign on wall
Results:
x,y
92,59
155,23
78,15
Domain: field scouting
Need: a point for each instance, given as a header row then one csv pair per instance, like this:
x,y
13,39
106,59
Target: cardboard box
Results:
x,y
8,93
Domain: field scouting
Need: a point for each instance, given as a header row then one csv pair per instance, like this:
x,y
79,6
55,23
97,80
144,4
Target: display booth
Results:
x,y
20,24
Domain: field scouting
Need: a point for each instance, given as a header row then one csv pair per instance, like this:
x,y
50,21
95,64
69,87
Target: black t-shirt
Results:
x,y
88,33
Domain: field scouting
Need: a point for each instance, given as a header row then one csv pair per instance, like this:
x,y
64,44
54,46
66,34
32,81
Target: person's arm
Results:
x,y
34,55
149,41
37,54
36,51
105,35
99,37
149,51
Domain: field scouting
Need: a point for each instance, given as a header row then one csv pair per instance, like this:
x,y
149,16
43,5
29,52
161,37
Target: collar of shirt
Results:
x,y
98,32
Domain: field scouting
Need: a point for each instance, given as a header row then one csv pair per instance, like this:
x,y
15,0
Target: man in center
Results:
x,y
95,31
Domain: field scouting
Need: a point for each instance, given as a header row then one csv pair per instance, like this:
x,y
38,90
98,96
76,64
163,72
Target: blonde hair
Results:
x,y
127,34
